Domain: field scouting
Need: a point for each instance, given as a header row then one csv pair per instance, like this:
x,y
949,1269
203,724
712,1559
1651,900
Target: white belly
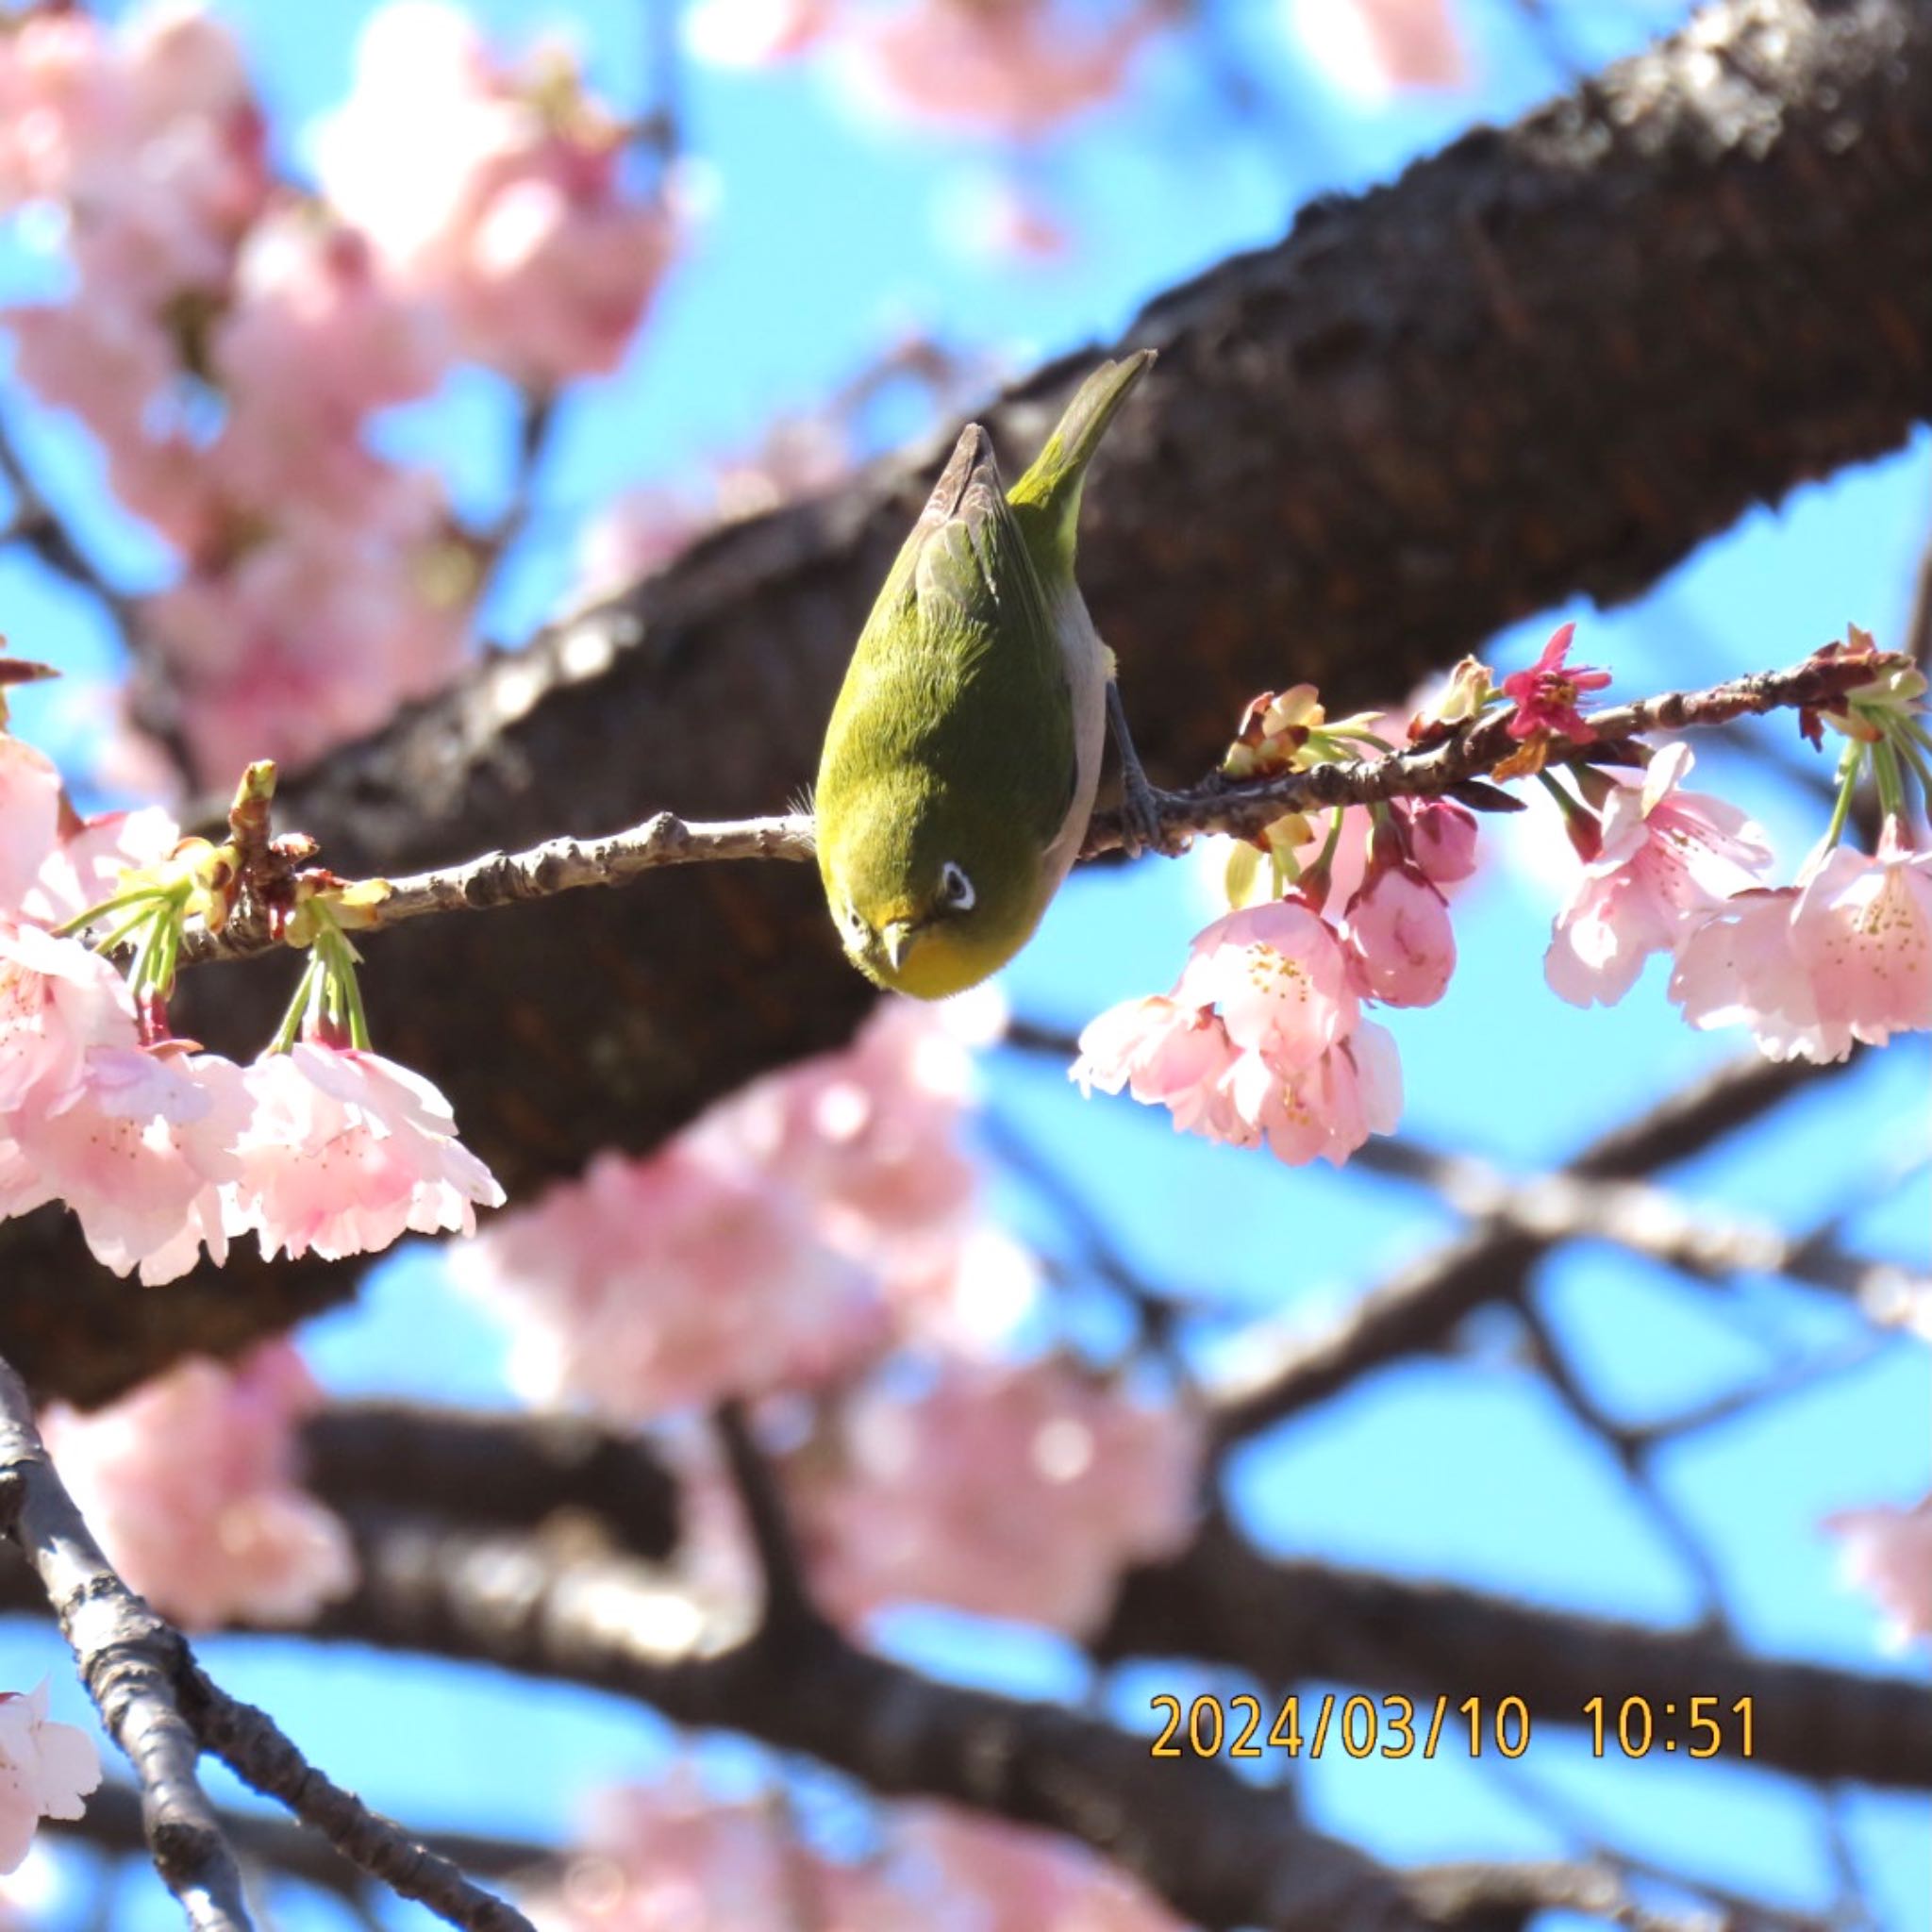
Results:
x,y
1089,664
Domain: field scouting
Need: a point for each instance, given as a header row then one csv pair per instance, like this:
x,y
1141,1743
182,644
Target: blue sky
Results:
x,y
825,239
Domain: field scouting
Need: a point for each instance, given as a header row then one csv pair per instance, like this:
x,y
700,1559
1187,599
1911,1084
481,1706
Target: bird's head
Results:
x,y
931,891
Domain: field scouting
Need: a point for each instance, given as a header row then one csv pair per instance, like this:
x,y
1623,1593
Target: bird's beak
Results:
x,y
897,938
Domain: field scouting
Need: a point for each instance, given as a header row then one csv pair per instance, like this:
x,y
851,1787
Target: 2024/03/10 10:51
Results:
x,y
1366,1726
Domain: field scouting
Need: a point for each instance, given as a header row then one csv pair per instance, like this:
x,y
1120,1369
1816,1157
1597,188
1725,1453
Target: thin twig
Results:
x,y
1421,1306
130,1662
560,865
254,1747
788,1608
1649,1220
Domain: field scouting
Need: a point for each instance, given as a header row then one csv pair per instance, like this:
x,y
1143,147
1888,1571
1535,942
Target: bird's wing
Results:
x,y
988,634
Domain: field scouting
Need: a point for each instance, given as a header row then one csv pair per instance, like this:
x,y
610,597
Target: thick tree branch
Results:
x,y
506,1469
1287,1623
1551,358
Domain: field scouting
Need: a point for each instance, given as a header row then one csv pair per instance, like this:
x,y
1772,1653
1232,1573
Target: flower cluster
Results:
x,y
46,1769
1264,1037
671,1854
189,1483
1844,954
229,339
159,1149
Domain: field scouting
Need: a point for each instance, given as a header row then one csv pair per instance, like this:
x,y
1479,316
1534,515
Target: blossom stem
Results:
x,y
1847,783
298,1007
1908,749
1891,786
80,920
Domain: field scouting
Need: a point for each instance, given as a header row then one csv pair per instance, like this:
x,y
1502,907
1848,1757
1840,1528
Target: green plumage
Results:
x,y
960,742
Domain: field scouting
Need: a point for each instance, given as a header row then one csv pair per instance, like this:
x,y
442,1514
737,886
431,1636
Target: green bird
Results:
x,y
963,757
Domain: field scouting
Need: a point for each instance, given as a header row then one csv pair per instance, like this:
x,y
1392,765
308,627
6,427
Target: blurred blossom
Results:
x,y
670,1857
189,1483
1018,1490
498,192
1371,49
998,220
652,1285
1016,68
1888,1554
755,33
638,531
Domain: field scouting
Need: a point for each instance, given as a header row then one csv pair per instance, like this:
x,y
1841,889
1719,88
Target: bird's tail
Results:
x,y
1051,484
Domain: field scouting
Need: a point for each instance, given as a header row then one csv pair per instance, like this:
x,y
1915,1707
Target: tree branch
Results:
x,y
163,1711
1216,805
130,1662
1420,1306
1286,1623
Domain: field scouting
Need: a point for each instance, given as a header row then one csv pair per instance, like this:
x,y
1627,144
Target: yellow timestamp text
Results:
x,y
1396,1727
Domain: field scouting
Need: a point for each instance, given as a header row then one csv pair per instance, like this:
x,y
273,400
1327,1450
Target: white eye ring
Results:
x,y
957,887
855,921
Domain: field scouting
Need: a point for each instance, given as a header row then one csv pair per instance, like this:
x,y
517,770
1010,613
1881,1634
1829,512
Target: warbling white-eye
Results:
x,y
963,757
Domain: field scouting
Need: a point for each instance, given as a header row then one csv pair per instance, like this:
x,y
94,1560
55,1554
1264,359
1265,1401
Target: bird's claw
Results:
x,y
1142,825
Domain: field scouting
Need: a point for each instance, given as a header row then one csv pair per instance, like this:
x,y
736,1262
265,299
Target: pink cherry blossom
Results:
x,y
345,1151
314,341
1668,858
1547,693
46,1770
190,1483
1888,1553
1398,932
1741,967
1863,928
1441,839
657,1283
1010,1491
137,1148
1166,1055
58,1000
1280,978
1323,1112
84,868
30,816
651,1858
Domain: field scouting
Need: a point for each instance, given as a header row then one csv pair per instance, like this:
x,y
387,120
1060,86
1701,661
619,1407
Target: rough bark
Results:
x,y
1551,358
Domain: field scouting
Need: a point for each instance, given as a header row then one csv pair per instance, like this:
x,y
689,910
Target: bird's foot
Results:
x,y
1142,819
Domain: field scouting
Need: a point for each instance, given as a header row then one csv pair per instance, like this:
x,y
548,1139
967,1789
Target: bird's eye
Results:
x,y
956,888
855,921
